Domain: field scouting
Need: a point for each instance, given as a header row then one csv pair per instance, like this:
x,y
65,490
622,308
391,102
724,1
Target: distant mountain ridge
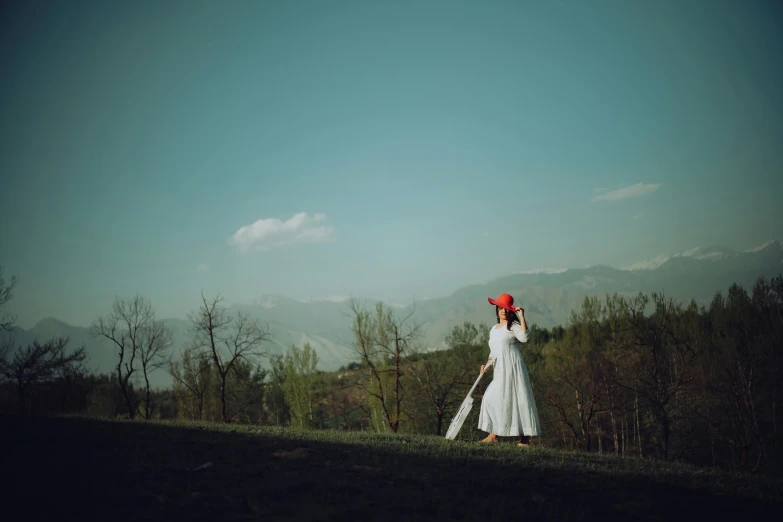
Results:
x,y
712,253
548,297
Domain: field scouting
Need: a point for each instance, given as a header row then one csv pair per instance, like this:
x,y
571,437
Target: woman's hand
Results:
x,y
486,367
520,311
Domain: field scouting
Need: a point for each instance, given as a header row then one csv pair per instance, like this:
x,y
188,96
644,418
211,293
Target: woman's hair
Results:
x,y
511,317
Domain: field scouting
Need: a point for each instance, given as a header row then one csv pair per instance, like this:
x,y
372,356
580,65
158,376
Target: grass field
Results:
x,y
112,470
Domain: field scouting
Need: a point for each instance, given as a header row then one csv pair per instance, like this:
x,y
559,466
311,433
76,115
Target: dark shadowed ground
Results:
x,y
101,470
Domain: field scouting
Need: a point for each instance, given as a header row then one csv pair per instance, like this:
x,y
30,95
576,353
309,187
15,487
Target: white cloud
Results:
x,y
631,191
269,233
202,268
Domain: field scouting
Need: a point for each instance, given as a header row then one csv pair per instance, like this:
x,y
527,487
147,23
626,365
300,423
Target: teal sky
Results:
x,y
431,145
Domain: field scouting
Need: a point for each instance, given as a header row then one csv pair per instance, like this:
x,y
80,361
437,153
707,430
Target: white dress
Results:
x,y
508,407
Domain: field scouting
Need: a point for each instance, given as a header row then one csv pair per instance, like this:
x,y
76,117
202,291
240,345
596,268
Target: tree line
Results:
x,y
629,375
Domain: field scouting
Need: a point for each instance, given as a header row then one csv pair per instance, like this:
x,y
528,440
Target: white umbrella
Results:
x,y
464,409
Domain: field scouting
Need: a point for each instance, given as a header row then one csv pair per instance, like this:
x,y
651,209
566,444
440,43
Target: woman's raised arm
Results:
x,y
520,330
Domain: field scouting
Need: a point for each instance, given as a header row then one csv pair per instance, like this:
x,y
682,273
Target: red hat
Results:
x,y
503,301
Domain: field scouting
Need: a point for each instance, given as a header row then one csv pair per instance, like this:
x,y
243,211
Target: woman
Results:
x,y
508,408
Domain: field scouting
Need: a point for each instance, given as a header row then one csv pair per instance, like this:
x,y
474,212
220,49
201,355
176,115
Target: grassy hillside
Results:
x,y
182,471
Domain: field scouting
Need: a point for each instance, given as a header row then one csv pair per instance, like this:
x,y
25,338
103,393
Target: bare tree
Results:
x,y
6,293
574,374
466,334
441,380
661,358
5,349
153,352
131,326
6,321
224,339
380,342
40,363
192,378
442,375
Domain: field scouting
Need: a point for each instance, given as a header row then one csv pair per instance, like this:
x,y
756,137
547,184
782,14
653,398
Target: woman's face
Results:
x,y
502,314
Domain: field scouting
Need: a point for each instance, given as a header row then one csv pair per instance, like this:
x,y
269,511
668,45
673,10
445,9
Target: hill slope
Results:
x,y
177,471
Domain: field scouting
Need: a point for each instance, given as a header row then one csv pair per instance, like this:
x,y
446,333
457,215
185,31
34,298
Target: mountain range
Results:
x,y
548,297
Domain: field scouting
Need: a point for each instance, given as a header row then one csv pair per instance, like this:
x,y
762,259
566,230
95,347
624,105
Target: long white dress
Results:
x,y
508,407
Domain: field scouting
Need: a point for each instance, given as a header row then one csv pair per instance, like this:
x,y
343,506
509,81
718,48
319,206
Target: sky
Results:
x,y
391,150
